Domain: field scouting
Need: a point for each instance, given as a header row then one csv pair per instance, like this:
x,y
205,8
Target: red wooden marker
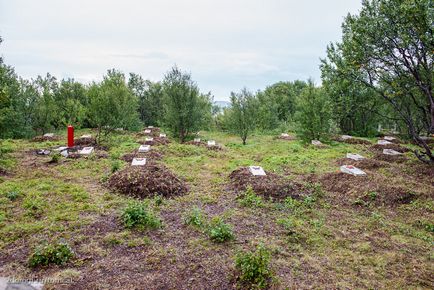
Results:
x,y
70,136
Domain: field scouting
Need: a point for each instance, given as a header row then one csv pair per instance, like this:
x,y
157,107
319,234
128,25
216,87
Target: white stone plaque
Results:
x,y
85,136
86,151
138,162
349,169
389,138
151,127
391,152
346,137
147,131
64,153
257,170
144,148
284,135
162,135
211,143
49,135
356,157
149,139
197,140
383,142
316,143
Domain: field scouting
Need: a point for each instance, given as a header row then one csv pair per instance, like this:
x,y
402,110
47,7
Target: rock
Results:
x,y
86,151
346,137
391,152
349,169
316,143
356,157
383,142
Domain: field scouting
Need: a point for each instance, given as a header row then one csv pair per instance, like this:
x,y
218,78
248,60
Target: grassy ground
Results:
x,y
353,234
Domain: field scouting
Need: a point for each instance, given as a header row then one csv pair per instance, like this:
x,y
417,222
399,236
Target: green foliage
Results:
x,y
313,114
250,199
219,231
138,215
185,110
56,253
242,114
55,157
12,195
194,217
254,268
116,164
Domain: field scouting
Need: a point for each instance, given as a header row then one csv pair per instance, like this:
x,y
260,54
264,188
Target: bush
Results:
x,y
254,268
116,164
250,199
57,253
55,158
12,195
137,214
219,231
194,217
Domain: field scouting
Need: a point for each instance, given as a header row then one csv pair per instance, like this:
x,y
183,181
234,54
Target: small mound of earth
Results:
x,y
396,147
270,186
147,181
150,155
45,138
390,158
356,141
350,189
156,141
363,164
154,132
287,138
216,147
85,141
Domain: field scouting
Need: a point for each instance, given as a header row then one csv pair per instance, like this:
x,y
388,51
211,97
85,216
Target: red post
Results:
x,y
70,136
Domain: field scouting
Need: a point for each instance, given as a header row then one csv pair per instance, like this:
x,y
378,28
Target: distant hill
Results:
x,y
222,104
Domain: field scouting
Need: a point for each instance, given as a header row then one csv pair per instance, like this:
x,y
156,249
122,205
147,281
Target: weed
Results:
x,y
254,268
55,158
116,164
34,204
137,214
219,231
194,217
158,200
250,199
56,253
12,195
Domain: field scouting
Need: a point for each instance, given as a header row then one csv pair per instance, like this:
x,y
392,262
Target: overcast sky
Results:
x,y
225,44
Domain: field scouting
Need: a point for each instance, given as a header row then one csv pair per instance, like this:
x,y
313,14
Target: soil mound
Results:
x,y
216,147
91,141
396,147
155,132
151,155
287,138
156,141
356,141
147,181
45,138
270,185
362,164
390,158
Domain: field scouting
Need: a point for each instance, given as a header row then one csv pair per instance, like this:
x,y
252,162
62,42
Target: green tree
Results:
x,y
312,113
242,116
388,48
112,105
45,116
185,110
71,99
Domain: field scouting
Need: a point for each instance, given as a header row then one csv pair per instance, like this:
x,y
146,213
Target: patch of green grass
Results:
x,y
219,231
250,199
194,217
137,215
56,253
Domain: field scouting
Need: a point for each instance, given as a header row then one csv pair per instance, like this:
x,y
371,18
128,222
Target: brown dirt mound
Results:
x,y
156,141
396,147
270,186
363,164
85,141
152,155
357,141
390,158
147,181
45,138
155,132
289,138
217,147
353,189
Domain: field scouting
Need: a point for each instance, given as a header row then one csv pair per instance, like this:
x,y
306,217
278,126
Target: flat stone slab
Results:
x,y
64,153
138,162
257,170
149,139
147,131
284,135
349,169
383,142
197,140
211,143
43,152
389,138
85,136
346,137
356,157
316,143
86,151
49,135
162,135
61,148
391,152
144,148
151,127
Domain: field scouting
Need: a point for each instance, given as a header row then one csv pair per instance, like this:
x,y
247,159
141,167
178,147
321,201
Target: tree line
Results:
x,y
379,75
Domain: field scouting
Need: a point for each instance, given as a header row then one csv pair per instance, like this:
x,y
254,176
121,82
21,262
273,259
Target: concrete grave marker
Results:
x,y
147,131
43,152
162,135
383,142
257,170
197,140
349,169
151,127
391,152
284,135
49,135
85,136
389,138
316,143
149,139
138,162
144,148
356,157
346,137
64,153
86,151
211,143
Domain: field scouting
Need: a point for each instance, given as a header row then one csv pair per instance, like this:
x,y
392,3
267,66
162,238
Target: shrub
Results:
x,y
250,199
55,158
137,214
219,231
116,164
254,268
57,253
194,217
12,195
